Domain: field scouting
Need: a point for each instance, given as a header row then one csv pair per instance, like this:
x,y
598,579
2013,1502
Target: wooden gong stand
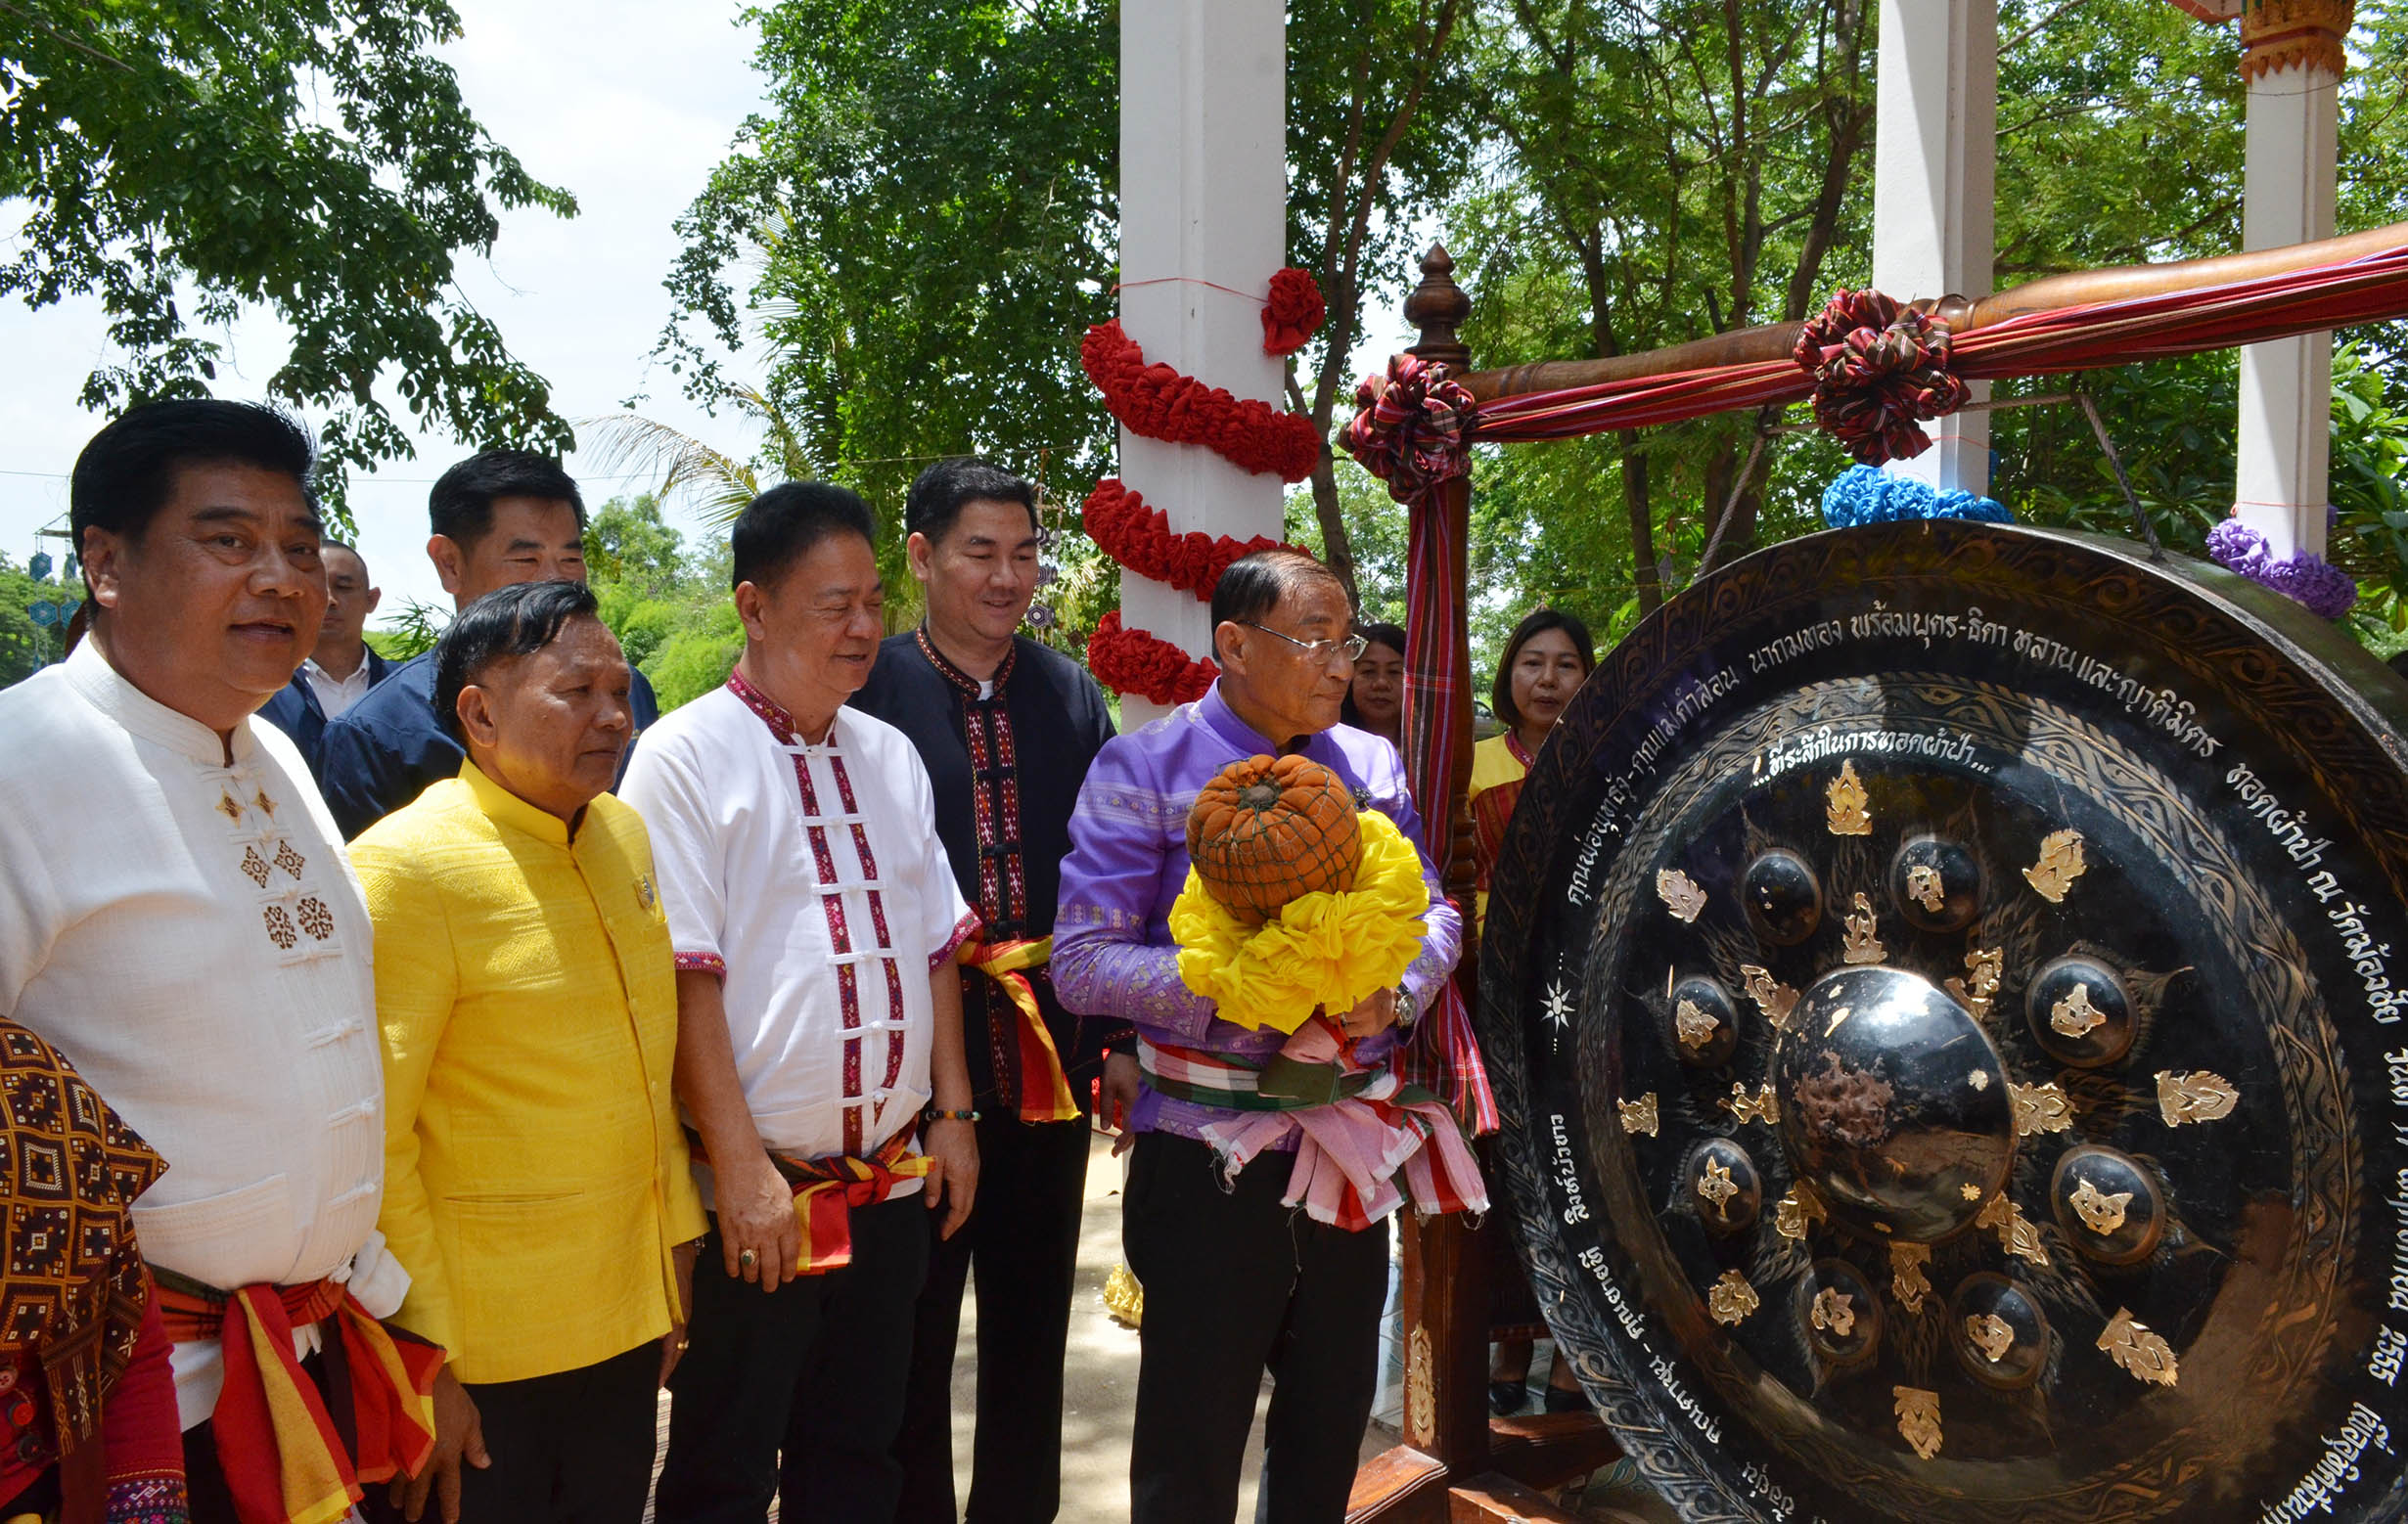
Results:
x,y
1458,1464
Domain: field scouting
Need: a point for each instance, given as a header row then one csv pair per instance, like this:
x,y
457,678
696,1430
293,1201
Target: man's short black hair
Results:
x,y
1535,623
1254,585
518,620
461,507
946,488
127,473
779,528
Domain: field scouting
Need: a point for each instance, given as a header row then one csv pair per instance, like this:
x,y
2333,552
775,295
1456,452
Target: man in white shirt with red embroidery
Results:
x,y
819,1053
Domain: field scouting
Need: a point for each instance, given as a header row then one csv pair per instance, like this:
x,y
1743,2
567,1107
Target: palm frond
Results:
x,y
717,482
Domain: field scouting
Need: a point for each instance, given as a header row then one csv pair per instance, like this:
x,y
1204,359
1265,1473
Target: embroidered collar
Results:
x,y
1521,754
774,714
970,685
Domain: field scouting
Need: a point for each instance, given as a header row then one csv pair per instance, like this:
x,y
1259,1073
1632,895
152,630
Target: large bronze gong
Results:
x,y
1948,988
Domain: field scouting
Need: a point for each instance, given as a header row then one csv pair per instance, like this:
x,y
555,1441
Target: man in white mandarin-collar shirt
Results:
x,y
815,920
177,916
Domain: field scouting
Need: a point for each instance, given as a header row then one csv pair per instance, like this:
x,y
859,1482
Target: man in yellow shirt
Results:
x,y
538,1184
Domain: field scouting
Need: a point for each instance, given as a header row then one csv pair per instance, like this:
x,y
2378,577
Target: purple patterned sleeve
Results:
x,y
1109,959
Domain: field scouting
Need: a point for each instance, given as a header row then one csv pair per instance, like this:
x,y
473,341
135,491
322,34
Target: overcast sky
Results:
x,y
629,109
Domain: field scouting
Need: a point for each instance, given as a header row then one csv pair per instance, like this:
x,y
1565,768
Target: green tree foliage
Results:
x,y
183,159
1670,171
925,221
925,215
25,647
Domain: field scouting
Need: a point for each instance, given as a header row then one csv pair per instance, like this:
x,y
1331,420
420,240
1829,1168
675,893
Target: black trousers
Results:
x,y
1023,1237
571,1448
575,1446
798,1393
1236,1283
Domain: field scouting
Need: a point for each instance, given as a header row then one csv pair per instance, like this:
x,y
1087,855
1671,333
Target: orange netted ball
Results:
x,y
1268,830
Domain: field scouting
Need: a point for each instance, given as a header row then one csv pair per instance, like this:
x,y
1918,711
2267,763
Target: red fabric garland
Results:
x,y
1139,538
1135,661
1294,313
1878,369
1159,403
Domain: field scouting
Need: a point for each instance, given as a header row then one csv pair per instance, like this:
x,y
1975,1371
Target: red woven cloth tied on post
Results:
x,y
1412,428
1878,370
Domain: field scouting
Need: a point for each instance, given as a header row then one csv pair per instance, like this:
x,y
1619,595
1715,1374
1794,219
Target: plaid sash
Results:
x,y
1356,1133
285,1460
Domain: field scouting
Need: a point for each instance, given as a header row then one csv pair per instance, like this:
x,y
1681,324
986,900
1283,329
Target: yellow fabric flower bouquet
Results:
x,y
1314,928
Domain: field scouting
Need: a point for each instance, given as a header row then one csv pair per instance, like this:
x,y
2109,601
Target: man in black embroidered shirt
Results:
x,y
1006,727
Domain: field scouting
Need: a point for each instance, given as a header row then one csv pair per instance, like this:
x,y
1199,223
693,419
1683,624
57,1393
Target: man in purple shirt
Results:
x,y
1235,1279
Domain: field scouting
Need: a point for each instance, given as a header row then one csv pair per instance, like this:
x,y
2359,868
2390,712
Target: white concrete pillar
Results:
x,y
1934,158
2293,59
1203,195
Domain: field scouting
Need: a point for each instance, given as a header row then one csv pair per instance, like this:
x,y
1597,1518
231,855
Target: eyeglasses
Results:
x,y
1351,647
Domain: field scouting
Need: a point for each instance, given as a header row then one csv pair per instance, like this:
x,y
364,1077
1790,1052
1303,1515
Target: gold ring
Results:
x,y
747,1259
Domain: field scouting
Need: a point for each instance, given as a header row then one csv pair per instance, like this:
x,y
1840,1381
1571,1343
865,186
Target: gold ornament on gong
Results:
x,y
1991,1334
1918,1414
1906,1278
1638,1116
1681,893
1847,815
1715,1185
1695,1024
2060,863
2074,1016
1731,1298
1984,966
2101,1212
1774,998
1834,1311
2195,1096
1924,887
1764,1106
2130,1344
1861,945
2040,1108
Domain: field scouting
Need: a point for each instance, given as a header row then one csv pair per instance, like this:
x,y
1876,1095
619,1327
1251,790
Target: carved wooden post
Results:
x,y
1446,1264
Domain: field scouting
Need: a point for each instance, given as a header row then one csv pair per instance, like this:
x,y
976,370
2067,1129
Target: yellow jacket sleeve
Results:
x,y
417,981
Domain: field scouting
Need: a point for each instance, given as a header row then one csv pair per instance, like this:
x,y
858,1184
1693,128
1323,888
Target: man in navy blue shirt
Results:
x,y
339,673
499,517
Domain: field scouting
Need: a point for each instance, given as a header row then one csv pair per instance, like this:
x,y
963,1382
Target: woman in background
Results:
x,y
1546,660
1376,698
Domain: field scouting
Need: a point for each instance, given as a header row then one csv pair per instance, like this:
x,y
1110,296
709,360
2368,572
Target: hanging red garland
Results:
x,y
1139,538
1135,661
1159,403
1294,313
